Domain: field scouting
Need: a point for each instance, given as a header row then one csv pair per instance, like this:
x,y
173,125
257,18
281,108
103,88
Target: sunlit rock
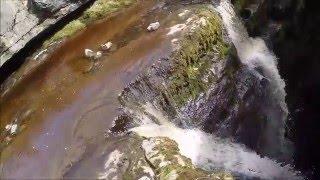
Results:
x,y
8,127
98,55
14,129
89,53
107,46
153,26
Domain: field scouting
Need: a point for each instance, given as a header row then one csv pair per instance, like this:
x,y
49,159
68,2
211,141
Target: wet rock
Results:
x,y
107,46
12,128
98,55
153,26
89,53
44,8
163,90
175,81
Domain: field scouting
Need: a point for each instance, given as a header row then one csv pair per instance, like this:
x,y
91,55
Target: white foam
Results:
x,y
110,165
209,152
253,52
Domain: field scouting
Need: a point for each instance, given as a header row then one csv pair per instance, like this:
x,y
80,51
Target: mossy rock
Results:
x,y
195,57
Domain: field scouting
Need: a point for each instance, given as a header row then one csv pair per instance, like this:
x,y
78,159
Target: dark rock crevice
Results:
x,y
291,28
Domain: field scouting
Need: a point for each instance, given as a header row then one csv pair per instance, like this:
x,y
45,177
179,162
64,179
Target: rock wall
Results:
x,y
23,20
291,29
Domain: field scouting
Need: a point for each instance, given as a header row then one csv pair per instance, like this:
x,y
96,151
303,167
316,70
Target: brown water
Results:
x,y
62,107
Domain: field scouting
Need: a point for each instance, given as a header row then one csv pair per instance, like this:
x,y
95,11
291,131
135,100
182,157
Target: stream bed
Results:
x,y
76,118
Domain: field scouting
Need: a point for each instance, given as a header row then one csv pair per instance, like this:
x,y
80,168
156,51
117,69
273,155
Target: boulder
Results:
x,y
98,55
106,46
89,53
153,26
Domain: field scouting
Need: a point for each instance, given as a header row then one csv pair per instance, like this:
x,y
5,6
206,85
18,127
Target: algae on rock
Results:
x,y
194,59
99,10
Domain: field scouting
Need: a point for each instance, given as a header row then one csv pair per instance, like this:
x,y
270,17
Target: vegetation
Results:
x,y
99,10
193,61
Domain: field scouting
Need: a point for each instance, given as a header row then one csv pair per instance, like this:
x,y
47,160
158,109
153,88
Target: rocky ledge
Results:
x,y
22,20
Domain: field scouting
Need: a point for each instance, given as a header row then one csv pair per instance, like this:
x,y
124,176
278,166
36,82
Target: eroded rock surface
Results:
x,y
21,20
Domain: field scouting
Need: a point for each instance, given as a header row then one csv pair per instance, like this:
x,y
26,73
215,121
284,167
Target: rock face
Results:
x,y
291,28
198,86
23,20
171,83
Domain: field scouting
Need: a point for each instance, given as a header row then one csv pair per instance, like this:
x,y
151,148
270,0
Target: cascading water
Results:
x,y
253,52
210,152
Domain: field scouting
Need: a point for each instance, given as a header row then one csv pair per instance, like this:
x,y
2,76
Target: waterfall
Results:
x,y
253,52
207,151
213,153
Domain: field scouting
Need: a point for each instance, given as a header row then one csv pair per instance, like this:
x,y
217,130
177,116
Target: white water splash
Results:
x,y
111,165
210,152
253,52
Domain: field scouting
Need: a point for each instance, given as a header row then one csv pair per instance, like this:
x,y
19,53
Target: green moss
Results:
x,y
68,30
193,61
99,10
